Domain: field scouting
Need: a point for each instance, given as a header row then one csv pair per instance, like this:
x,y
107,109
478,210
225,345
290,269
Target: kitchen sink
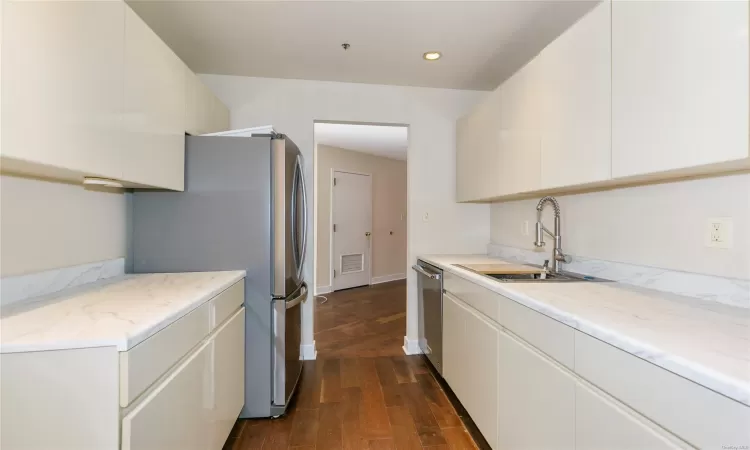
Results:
x,y
537,278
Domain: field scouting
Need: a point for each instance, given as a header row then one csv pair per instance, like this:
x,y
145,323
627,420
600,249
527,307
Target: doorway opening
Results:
x,y
360,204
360,238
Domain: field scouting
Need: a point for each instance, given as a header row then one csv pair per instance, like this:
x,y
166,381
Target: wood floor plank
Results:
x,y
279,432
349,373
427,427
402,370
381,444
304,428
373,415
404,432
330,431
385,371
308,391
252,436
441,408
330,388
458,438
352,436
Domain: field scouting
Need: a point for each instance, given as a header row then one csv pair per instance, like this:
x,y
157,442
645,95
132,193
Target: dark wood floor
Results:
x,y
362,392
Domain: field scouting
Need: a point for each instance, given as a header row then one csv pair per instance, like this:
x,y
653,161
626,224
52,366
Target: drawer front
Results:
x,y
474,295
227,303
174,415
142,365
696,414
546,334
229,376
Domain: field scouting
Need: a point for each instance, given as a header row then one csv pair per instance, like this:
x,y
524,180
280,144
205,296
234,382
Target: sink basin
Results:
x,y
537,278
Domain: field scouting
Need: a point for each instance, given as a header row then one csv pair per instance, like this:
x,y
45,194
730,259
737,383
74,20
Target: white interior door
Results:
x,y
351,211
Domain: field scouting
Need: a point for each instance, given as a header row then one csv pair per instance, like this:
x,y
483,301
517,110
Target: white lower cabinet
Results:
x,y
228,385
174,414
481,372
603,423
197,405
454,346
536,399
530,382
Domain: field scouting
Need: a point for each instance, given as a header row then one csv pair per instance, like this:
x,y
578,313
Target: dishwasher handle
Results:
x,y
418,268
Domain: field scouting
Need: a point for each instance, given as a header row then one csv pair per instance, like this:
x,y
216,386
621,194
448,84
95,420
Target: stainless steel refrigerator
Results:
x,y
244,207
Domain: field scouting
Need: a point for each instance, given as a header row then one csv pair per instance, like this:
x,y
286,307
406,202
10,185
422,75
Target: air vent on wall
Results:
x,y
352,263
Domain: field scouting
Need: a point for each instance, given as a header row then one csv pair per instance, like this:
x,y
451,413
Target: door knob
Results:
x,y
367,233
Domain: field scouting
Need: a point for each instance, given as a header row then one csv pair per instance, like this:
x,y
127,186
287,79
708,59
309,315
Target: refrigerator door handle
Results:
x,y
299,299
304,214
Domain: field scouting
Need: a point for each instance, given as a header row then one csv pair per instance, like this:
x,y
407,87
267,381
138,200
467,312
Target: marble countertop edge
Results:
x,y
122,340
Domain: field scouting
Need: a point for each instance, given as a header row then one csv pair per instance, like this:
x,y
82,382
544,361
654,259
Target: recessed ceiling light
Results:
x,y
432,56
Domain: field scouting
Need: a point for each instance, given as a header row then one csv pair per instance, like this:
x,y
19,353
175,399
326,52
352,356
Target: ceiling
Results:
x,y
379,140
483,42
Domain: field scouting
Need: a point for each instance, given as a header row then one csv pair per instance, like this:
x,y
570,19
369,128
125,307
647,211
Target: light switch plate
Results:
x,y
719,232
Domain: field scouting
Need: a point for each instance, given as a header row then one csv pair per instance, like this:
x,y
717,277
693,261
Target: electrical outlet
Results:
x,y
426,217
719,232
525,227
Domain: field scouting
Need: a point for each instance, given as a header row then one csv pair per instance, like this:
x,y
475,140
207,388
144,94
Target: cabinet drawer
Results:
x,y
174,415
696,414
546,334
147,361
226,303
474,295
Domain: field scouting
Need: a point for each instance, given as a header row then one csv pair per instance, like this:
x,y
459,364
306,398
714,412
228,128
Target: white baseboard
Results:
x,y
411,346
320,290
387,278
307,352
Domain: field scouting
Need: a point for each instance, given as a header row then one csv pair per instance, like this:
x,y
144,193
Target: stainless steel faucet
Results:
x,y
558,256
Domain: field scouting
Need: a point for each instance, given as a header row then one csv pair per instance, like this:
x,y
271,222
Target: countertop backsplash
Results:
x,y
729,291
16,289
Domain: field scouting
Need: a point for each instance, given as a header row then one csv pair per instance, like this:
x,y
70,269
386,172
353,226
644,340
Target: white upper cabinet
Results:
x,y
154,108
518,161
477,160
62,88
574,99
679,84
88,89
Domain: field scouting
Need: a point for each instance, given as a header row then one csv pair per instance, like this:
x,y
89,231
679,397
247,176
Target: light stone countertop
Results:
x,y
119,312
703,341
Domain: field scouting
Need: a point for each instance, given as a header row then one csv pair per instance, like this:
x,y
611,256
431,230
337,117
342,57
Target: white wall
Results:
x,y
659,225
388,206
48,225
293,105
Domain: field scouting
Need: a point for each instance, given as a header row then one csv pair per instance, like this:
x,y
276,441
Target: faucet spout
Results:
x,y
558,256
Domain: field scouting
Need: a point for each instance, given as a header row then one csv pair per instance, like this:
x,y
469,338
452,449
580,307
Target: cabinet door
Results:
x,y
174,415
228,385
454,352
601,423
520,141
536,399
154,108
575,114
62,88
679,84
481,368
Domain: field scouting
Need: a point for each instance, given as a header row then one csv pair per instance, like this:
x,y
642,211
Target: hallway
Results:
x,y
362,392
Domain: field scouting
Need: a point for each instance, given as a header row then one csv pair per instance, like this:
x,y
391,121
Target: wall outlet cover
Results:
x,y
719,232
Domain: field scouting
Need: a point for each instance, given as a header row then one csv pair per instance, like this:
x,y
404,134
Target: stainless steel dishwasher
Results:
x,y
430,285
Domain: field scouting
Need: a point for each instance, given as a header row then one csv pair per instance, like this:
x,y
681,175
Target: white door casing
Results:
x,y
351,219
